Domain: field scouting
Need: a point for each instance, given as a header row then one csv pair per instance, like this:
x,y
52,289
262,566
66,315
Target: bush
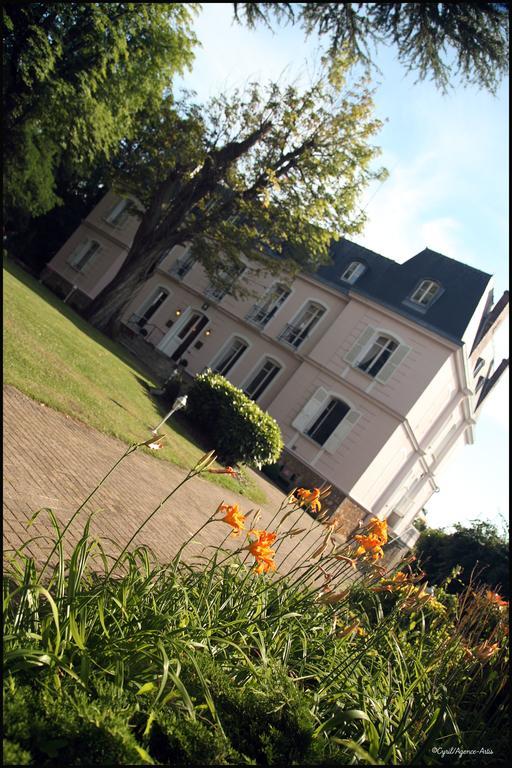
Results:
x,y
65,729
239,429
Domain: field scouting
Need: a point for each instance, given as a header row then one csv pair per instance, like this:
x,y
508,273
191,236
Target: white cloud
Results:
x,y
402,217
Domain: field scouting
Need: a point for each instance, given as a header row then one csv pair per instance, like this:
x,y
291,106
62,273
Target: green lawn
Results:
x,y
54,356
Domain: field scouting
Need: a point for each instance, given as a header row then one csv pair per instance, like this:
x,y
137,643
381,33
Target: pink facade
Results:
x,y
368,399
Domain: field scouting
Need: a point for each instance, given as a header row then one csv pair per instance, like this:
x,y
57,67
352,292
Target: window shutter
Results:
x,y
392,364
310,410
342,430
355,353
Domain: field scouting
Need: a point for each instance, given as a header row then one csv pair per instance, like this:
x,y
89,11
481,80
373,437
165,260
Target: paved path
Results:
x,y
52,461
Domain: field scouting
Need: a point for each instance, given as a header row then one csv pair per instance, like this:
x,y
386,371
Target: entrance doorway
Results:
x,y
186,330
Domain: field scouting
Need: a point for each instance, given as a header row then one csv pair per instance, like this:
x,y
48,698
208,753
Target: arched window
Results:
x,y
328,420
377,355
425,292
229,356
150,307
261,313
354,270
262,378
82,258
118,216
296,332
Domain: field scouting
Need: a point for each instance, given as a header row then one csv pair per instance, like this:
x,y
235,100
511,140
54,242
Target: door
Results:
x,y
178,340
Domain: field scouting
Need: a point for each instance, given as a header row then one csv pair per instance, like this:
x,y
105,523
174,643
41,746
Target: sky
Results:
x,y
447,157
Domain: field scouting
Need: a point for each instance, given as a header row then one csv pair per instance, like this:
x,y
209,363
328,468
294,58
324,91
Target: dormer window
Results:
x,y
425,293
354,270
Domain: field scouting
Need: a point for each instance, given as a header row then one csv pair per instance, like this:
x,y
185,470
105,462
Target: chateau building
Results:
x,y
375,371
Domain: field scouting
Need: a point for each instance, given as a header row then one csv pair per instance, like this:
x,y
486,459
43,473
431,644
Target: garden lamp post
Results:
x,y
180,402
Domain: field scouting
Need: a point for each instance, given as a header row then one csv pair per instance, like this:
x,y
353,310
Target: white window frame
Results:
x,y
382,347
261,306
355,269
261,362
422,290
297,316
219,355
185,260
150,299
118,216
331,404
364,343
217,294
80,252
312,409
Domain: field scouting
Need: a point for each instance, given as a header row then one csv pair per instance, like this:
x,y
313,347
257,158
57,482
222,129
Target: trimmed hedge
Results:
x,y
265,723
238,428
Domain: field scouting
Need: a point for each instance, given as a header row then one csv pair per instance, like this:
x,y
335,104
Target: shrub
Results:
x,y
65,729
239,429
14,754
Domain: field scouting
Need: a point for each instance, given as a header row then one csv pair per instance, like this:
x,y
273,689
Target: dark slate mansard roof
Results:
x,y
390,283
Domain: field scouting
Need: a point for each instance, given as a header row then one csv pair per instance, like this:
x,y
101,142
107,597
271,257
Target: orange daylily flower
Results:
x,y
399,580
233,517
311,498
367,543
378,528
496,599
261,550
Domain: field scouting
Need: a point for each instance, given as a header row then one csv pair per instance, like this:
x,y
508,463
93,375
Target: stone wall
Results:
x,y
61,287
155,361
350,515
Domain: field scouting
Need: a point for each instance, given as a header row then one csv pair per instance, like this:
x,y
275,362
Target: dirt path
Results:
x,y
52,461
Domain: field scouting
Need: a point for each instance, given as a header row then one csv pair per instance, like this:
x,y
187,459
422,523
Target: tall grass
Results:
x,y
202,660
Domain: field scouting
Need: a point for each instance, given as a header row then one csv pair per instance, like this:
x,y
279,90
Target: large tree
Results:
x,y
75,79
273,173
446,42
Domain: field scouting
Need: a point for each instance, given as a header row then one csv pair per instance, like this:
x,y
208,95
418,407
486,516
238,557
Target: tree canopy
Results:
x,y
75,78
478,547
441,41
271,172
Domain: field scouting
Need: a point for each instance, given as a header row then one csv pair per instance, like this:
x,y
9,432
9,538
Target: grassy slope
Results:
x,y
54,356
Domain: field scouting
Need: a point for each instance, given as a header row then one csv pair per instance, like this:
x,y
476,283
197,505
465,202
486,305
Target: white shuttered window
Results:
x,y
377,354
326,419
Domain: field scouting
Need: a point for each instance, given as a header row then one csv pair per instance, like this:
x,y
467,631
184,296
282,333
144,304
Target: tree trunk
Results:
x,y
105,310
153,233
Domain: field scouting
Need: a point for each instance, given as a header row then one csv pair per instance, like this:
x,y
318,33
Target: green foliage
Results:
x,y
239,429
13,754
264,172
478,547
206,663
67,729
441,41
75,79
